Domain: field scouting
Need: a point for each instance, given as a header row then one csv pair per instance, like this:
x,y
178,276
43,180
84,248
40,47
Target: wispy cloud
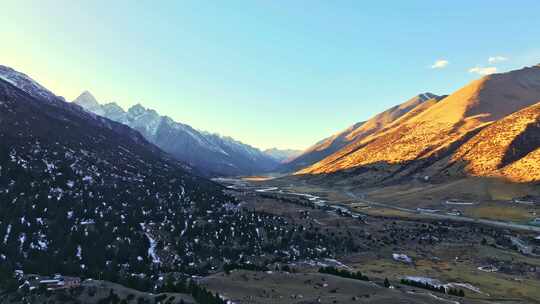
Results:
x,y
440,64
497,59
483,70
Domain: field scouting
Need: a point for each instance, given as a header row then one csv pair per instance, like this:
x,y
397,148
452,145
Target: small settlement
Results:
x,y
58,281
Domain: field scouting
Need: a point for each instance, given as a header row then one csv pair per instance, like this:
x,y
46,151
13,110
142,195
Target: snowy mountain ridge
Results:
x,y
24,82
211,152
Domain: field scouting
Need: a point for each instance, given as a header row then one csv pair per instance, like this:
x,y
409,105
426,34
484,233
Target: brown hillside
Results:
x,y
357,132
411,144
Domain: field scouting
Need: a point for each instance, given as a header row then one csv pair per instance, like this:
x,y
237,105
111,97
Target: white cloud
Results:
x,y
483,70
496,59
440,64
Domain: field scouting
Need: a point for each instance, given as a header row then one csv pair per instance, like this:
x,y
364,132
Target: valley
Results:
x,y
434,200
450,201
451,248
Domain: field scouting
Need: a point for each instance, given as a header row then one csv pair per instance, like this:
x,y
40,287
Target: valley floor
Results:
x,y
465,241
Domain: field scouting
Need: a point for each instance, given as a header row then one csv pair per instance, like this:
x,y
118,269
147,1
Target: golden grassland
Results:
x,y
502,212
491,197
461,269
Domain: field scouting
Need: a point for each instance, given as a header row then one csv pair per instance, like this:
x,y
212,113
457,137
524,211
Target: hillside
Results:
x,y
75,190
83,195
211,154
509,147
96,292
410,145
355,133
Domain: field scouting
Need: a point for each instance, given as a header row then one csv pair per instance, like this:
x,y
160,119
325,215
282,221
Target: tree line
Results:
x,y
356,275
441,289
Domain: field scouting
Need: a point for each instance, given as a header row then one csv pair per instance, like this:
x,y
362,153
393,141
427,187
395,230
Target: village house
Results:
x,y
401,258
488,268
527,200
521,246
56,282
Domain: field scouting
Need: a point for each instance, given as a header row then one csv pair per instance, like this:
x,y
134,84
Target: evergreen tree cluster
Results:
x,y
357,275
297,201
7,281
171,285
456,292
441,289
198,292
79,212
252,267
424,285
204,296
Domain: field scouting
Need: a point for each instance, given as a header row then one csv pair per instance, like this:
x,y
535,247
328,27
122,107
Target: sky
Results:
x,y
269,73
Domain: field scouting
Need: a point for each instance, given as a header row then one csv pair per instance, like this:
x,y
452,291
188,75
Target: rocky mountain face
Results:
x,y
356,133
83,195
212,154
282,155
422,142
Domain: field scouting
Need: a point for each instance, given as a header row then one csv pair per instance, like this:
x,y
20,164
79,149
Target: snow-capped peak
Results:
x,y
137,109
87,101
426,96
113,107
180,139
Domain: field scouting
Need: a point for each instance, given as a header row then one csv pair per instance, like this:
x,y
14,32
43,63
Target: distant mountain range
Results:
x,y
487,128
490,127
211,154
282,155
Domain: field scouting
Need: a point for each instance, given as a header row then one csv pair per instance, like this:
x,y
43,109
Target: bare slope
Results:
x,y
411,144
509,147
356,132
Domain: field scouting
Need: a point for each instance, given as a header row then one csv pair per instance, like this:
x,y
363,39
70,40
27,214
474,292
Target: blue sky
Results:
x,y
270,73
